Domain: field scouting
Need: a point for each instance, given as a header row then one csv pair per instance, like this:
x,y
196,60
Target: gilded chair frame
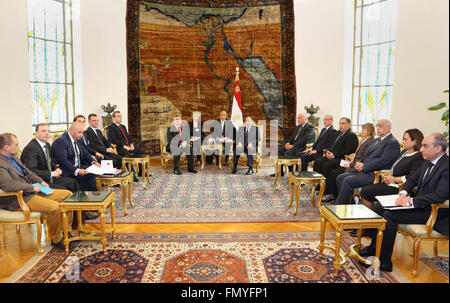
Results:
x,y
166,156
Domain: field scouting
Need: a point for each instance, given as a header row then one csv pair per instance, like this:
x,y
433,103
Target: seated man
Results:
x,y
14,176
99,143
177,143
304,134
380,155
431,180
324,141
84,144
247,142
36,157
73,159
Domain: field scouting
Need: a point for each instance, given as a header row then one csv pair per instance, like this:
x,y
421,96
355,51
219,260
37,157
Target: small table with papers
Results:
x,y
89,201
351,216
313,179
123,179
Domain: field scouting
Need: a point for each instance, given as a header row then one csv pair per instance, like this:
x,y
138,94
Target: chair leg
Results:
x,y
416,251
18,228
435,248
39,235
4,235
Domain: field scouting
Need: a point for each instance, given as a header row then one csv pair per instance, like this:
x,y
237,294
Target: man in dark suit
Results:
x,y
246,142
324,141
431,180
344,142
380,155
83,141
178,142
99,143
224,132
36,157
73,159
304,134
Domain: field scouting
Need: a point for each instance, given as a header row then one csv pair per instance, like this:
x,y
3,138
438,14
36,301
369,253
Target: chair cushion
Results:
x,y
16,216
419,230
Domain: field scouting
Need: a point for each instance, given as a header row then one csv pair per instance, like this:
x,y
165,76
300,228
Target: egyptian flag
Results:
x,y
236,111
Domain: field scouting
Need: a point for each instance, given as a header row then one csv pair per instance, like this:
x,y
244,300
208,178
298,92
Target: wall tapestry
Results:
x,y
182,57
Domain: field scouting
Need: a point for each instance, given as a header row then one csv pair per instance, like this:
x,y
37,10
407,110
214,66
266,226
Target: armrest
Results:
x,y
348,157
19,196
433,216
114,146
324,151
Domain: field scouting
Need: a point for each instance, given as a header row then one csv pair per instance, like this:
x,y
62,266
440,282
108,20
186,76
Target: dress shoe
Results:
x,y
177,172
249,172
272,175
59,245
90,216
328,198
367,251
234,171
387,267
192,171
135,179
353,233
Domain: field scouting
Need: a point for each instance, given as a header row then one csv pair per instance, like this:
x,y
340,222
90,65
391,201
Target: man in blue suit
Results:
x,y
73,159
380,155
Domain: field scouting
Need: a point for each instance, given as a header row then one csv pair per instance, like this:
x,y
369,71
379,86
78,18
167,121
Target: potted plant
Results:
x,y
444,115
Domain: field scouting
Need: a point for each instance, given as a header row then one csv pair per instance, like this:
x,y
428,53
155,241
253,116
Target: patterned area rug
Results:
x,y
287,257
440,264
212,196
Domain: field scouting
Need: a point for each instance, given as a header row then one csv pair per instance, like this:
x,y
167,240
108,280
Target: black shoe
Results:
x,y
387,267
249,172
234,171
328,198
90,216
272,175
177,172
353,233
135,179
367,251
59,245
192,171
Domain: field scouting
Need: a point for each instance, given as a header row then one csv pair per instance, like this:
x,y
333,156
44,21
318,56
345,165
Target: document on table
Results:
x,y
101,171
343,162
388,202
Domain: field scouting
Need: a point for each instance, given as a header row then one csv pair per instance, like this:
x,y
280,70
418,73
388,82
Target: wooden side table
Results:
x,y
134,162
351,216
296,179
124,179
213,147
89,201
285,161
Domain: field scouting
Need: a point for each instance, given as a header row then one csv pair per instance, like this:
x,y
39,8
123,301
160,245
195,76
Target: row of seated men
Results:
x,y
188,140
421,168
61,166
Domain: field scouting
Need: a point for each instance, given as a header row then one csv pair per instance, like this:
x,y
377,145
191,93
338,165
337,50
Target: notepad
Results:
x,y
44,190
388,202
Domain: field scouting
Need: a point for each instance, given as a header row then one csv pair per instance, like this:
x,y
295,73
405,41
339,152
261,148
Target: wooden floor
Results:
x,y
21,245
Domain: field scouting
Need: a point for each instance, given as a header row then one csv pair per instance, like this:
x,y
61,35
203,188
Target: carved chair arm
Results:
x,y
433,216
19,196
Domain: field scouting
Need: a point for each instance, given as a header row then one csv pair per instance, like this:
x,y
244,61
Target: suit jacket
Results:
x,y
360,152
228,129
173,134
95,140
196,132
381,155
12,180
115,135
64,154
307,135
33,157
407,165
252,137
346,145
325,139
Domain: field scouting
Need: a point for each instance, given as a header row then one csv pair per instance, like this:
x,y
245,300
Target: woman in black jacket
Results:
x,y
406,164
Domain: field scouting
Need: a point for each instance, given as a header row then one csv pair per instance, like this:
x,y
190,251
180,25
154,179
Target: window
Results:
x,y
373,60
51,66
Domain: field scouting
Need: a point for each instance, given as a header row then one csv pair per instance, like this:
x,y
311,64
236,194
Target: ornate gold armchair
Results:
x,y
257,160
24,216
165,155
425,232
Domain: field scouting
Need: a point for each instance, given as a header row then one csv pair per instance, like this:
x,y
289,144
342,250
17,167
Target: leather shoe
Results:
x,y
234,171
192,171
272,175
387,267
328,198
353,233
59,245
177,172
367,251
135,179
249,172
90,216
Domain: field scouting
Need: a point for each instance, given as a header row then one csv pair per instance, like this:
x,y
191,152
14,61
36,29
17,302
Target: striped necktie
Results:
x,y
49,162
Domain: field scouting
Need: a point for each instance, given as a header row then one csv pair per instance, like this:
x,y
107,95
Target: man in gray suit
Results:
x,y
380,155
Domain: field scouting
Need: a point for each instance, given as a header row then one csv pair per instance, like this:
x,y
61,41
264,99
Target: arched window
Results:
x,y
51,65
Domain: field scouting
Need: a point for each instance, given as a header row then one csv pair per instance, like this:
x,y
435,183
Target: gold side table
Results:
x,y
296,179
125,179
351,216
134,162
203,148
89,201
285,161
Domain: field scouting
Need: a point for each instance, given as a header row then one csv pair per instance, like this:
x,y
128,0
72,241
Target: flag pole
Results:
x,y
237,74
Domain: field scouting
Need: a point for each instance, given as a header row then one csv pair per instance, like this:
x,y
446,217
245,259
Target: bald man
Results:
x,y
73,159
380,155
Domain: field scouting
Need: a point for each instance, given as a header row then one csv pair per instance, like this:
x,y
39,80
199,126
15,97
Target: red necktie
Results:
x,y
179,131
126,140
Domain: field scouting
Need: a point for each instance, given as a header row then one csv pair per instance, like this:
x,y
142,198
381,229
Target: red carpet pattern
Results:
x,y
286,257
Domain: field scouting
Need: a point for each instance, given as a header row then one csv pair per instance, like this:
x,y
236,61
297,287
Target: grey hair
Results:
x,y
439,139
